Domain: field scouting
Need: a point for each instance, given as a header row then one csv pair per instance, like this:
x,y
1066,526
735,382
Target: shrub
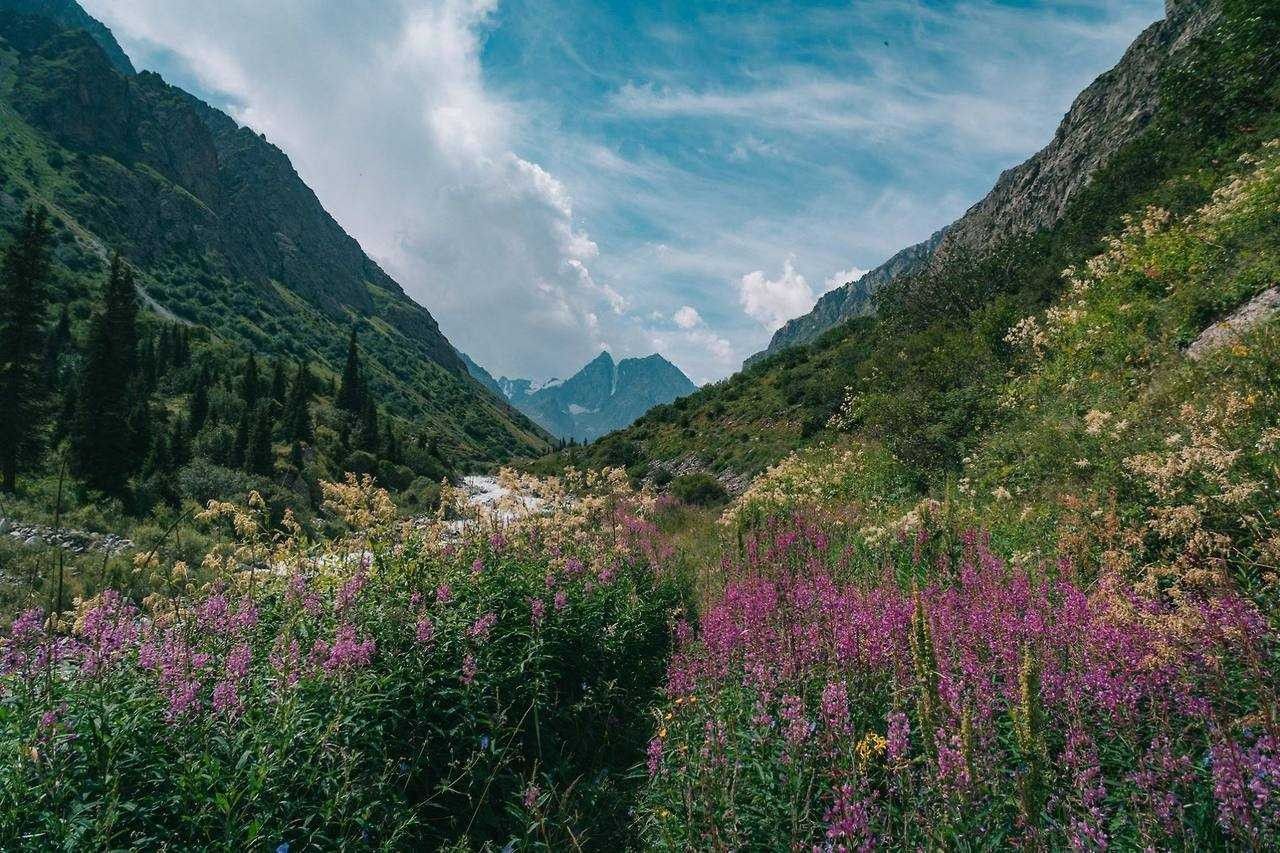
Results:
x,y
699,489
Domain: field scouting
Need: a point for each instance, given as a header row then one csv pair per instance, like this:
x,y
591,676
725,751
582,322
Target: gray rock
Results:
x,y
1229,330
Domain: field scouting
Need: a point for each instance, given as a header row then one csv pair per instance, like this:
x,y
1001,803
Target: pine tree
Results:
x,y
147,362
23,390
351,397
58,343
367,437
164,349
250,385
260,458
279,384
103,440
200,399
297,426
180,442
240,447
390,444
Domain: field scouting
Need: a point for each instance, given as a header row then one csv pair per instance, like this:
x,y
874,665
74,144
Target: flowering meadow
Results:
x,y
819,705
1073,643
451,682
1069,641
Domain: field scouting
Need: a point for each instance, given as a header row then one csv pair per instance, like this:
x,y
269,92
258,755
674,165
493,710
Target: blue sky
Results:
x,y
550,178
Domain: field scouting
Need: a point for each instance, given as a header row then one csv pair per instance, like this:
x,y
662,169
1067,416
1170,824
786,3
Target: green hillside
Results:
x,y
926,372
220,228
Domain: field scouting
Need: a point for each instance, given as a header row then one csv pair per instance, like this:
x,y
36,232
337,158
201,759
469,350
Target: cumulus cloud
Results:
x,y
687,317
773,302
843,277
383,109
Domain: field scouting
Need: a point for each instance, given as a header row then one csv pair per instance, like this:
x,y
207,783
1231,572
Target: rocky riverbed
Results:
x,y
75,541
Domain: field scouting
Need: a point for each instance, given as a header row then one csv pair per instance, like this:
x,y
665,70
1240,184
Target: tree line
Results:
x,y
132,403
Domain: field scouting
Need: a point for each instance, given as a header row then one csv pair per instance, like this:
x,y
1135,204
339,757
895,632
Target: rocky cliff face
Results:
x,y
600,398
850,300
1117,107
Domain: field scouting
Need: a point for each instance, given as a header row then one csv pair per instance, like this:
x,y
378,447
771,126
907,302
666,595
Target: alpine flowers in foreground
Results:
x,y
1025,710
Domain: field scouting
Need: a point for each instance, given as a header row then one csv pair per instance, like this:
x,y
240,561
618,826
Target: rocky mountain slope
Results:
x,y
1106,116
923,374
602,397
221,228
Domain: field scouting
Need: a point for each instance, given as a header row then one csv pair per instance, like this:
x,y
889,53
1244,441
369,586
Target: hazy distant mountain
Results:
x,y
602,397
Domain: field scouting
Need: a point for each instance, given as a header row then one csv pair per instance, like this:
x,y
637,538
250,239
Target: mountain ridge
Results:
x,y
1110,112
601,397
223,231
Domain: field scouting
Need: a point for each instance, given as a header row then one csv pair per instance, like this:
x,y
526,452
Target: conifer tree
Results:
x,y
367,437
180,443
297,426
23,392
279,384
240,446
351,397
59,342
200,399
260,458
250,385
103,439
147,362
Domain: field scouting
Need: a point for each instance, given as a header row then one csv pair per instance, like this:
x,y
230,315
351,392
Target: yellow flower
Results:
x,y
662,732
871,744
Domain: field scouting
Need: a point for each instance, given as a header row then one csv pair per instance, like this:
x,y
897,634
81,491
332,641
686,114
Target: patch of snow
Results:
x,y
534,387
575,409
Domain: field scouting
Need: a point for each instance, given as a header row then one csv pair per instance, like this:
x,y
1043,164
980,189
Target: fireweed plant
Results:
x,y
834,702
1071,645
473,679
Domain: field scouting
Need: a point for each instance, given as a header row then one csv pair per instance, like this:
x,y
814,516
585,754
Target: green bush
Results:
x,y
699,489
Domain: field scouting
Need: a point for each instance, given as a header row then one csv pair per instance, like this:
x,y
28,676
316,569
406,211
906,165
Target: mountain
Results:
x,y
222,230
1035,195
923,375
598,399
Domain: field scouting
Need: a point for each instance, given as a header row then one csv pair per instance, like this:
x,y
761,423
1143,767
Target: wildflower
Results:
x,y
654,756
226,698
899,739
561,600
425,631
480,629
530,798
835,707
477,568
444,594
537,611
238,661
348,650
468,669
349,590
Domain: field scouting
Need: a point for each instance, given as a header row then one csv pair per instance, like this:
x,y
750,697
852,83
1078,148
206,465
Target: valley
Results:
x,y
982,552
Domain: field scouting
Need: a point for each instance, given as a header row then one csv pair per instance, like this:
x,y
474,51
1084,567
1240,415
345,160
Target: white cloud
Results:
x,y
773,302
843,277
687,317
383,109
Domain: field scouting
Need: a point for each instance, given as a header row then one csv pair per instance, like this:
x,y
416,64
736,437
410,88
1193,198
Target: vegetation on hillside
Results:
x,y
927,368
220,232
